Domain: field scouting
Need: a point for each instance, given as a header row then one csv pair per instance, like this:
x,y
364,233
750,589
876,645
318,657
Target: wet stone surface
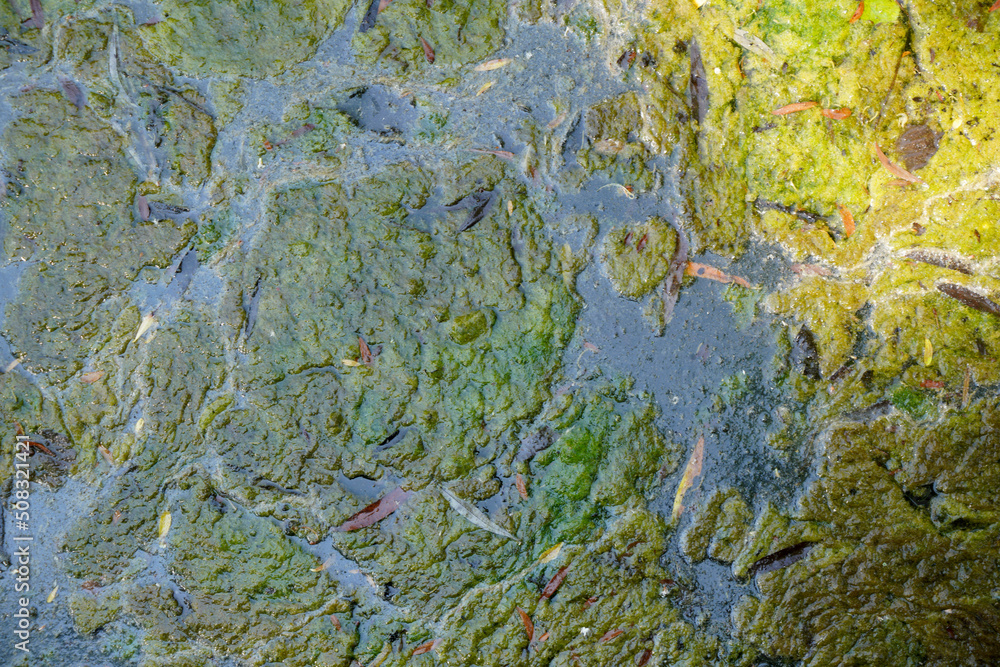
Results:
x,y
480,333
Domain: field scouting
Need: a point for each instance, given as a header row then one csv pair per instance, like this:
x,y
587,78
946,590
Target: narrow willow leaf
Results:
x,y
164,526
692,470
474,516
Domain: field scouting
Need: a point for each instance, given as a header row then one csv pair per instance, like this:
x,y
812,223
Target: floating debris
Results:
x,y
106,454
474,516
335,621
366,353
917,145
780,559
52,595
426,647
554,583
805,356
536,441
506,155
375,512
491,65
483,88
73,93
611,634
810,270
928,352
350,363
692,470
529,627
793,108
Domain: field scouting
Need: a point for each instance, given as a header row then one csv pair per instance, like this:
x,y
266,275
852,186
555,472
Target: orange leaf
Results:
x,y
792,108
848,219
893,169
554,583
543,637
836,114
529,627
996,6
611,634
521,488
426,647
32,443
428,51
712,273
857,12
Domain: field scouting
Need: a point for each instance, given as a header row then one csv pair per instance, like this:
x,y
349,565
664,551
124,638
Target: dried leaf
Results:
x,y
931,384
848,219
375,512
510,207
350,363
322,566
837,114
366,353
792,108
483,88
52,595
928,352
543,637
554,583
164,525
780,559
893,169
550,554
11,366
521,488
38,445
810,270
380,658
116,519
139,424
996,6
106,455
611,634
755,44
491,65
529,627
857,12
37,19
73,93
335,621
692,470
556,122
643,658
91,377
144,326
474,516
426,647
712,273
143,205
428,51
505,155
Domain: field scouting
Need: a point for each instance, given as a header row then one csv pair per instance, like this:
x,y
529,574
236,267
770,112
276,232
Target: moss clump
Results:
x,y
637,258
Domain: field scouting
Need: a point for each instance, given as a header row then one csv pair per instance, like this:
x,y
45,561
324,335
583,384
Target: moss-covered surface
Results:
x,y
243,304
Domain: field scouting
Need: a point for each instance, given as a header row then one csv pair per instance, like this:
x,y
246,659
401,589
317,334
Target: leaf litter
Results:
x,y
475,516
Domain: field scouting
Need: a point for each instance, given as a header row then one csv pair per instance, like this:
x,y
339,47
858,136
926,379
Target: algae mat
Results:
x,y
482,333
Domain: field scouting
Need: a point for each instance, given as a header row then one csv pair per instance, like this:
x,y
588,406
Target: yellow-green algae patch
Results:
x,y
638,257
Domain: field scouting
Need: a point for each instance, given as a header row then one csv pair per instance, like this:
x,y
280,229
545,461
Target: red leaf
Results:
x,y
529,627
611,634
377,511
837,114
554,583
366,353
428,51
644,658
857,12
792,108
521,488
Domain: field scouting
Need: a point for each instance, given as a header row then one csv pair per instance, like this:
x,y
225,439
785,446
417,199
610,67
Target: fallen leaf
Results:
x,y
107,455
893,169
474,516
91,377
644,658
506,155
543,637
711,273
117,518
483,88
491,65
554,583
428,51
335,621
848,219
857,12
556,122
375,512
792,108
611,634
11,366
837,114
692,470
426,647
144,326
810,270
529,627
550,554
38,445
350,363
366,353
928,352
932,384
587,345
52,595
139,424
521,488
164,526
755,44
37,19
510,207
73,93
996,6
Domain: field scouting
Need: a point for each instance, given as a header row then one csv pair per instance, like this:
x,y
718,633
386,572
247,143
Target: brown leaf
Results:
x,y
375,512
848,219
611,634
73,93
428,51
143,205
643,658
366,353
529,627
543,637
426,647
91,377
837,114
37,19
107,455
491,65
335,621
857,12
893,169
554,583
710,272
521,488
792,108
32,443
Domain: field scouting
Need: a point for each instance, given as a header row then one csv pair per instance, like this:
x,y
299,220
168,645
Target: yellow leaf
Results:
x,y
144,326
139,424
52,595
486,86
164,525
928,352
350,363
491,65
550,554
692,470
